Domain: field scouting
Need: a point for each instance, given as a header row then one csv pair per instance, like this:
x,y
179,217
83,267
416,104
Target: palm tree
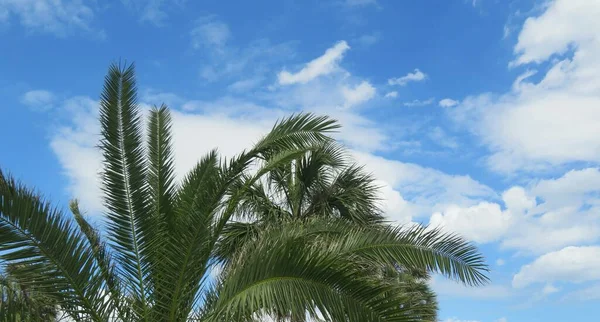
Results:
x,y
323,183
162,237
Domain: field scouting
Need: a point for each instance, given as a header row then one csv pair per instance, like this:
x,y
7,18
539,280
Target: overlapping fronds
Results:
x,y
52,254
293,223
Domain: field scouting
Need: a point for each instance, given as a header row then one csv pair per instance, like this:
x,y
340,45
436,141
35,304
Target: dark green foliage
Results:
x,y
323,250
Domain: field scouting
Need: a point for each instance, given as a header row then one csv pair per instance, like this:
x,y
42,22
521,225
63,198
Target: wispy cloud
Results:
x,y
416,76
416,102
58,17
38,99
448,102
153,11
440,137
209,32
367,40
323,65
392,94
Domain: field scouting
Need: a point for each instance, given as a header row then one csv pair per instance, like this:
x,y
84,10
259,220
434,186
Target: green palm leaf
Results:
x,y
124,186
53,255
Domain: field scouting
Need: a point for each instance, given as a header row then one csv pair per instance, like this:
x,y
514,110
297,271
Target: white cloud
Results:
x,y
396,208
524,225
444,287
570,264
358,94
416,76
459,320
500,262
517,200
210,33
564,23
537,126
448,102
75,146
549,289
571,190
565,215
58,17
414,103
323,65
424,188
392,94
38,99
481,223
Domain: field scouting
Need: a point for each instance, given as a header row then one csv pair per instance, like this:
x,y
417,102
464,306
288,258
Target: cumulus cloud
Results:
x,y
570,264
424,188
527,226
416,76
47,16
539,125
481,223
323,65
358,94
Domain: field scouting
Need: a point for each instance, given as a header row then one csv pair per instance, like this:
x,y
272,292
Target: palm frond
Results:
x,y
188,250
124,186
351,194
52,254
103,259
413,247
296,132
161,169
288,272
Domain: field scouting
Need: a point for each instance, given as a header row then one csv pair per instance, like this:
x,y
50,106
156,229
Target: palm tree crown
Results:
x,y
164,238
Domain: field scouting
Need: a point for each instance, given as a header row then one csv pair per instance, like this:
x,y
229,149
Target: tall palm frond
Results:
x,y
126,192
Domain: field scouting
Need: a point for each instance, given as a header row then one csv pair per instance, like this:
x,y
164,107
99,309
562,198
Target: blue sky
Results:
x,y
481,116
